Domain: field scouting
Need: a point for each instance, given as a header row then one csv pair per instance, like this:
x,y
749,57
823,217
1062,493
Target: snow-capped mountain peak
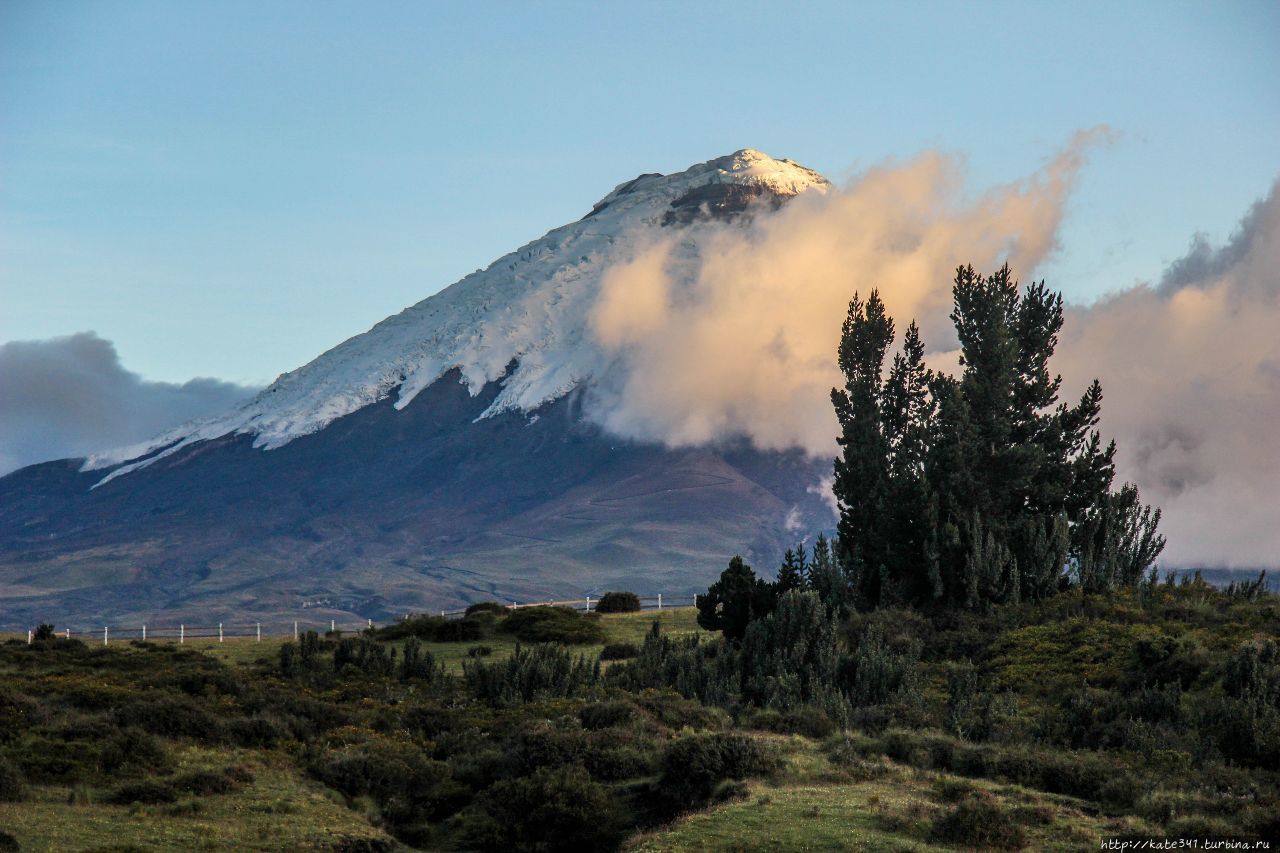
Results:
x,y
530,307
748,168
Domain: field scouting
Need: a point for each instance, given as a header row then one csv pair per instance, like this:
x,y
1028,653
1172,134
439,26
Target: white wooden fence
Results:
x,y
183,633
222,632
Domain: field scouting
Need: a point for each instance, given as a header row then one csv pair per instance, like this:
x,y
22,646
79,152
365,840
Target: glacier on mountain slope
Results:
x,y
530,307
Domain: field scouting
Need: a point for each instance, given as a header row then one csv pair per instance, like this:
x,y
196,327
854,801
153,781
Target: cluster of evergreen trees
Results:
x,y
962,492
740,597
959,492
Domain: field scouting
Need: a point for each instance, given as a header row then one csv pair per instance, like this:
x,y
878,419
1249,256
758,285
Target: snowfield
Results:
x,y
531,307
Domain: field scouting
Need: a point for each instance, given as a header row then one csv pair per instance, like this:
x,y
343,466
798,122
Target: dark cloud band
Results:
x,y
71,396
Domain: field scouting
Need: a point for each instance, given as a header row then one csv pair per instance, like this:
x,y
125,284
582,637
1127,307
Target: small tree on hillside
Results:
x,y
791,575
733,601
618,602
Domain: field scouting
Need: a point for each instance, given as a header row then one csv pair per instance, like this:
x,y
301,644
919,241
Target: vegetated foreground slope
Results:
x,y
1149,714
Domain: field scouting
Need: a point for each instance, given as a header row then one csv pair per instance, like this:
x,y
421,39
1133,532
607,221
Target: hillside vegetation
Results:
x,y
1042,726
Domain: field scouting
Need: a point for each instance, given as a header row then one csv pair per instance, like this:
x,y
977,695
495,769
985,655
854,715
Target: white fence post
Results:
x,y
28,636
219,632
333,625
371,624
182,634
144,633
659,601
68,633
104,635
295,629
588,604
259,624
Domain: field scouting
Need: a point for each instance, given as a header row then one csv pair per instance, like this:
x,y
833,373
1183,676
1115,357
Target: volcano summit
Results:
x,y
454,452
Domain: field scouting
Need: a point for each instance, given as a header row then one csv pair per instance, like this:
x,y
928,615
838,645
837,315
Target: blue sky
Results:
x,y
227,189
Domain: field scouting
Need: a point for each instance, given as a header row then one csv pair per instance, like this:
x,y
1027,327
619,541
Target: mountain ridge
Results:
x,y
529,307
447,455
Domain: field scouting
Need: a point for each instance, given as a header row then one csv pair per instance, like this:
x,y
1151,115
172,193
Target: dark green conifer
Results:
x,y
983,488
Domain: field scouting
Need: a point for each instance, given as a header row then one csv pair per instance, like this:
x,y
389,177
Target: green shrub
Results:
x,y
491,608
545,746
618,602
170,716
952,790
256,731
185,808
460,631
479,651
305,717
977,821
438,629
478,768
148,791
1164,660
365,656
204,783
18,713
532,672
417,663
675,712
619,761
805,720
876,670
852,752
553,809
133,750
693,765
45,760
553,625
12,788
289,665
409,788
619,651
1254,668
8,844
605,715
422,627
428,721
1203,827
1245,729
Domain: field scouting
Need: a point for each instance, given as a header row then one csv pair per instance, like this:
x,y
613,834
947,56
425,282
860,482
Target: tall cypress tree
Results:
x,y
982,488
862,471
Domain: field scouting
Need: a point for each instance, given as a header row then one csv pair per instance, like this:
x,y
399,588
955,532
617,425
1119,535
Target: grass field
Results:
x,y
279,810
620,628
